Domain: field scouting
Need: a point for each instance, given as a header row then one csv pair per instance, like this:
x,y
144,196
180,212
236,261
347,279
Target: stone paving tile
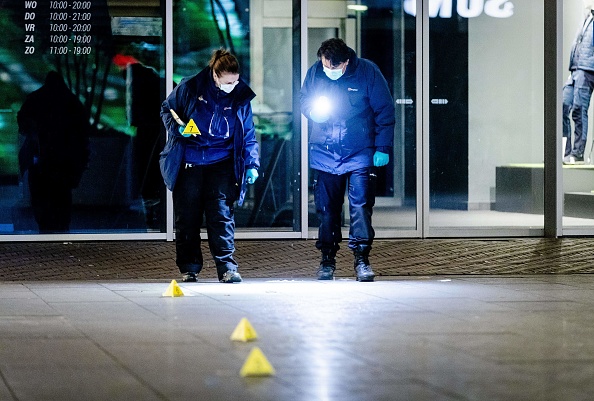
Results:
x,y
155,260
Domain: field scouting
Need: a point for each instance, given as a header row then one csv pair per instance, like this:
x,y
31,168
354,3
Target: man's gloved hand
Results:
x,y
380,159
181,131
319,117
251,175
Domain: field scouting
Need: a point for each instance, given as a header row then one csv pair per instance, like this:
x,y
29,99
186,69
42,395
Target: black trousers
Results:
x,y
208,191
329,190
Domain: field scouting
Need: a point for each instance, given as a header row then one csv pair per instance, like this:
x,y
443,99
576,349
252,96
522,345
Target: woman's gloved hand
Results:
x,y
181,131
251,175
380,159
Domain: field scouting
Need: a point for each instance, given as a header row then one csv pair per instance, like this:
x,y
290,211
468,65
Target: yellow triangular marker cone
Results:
x,y
244,331
192,128
256,364
173,290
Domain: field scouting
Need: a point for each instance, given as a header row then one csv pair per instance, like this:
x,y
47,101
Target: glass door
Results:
x,y
79,126
486,111
577,144
386,34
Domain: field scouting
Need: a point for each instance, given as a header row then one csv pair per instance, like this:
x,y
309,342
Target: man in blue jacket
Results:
x,y
578,89
351,113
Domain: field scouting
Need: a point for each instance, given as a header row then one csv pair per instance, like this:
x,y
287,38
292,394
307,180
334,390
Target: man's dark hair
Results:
x,y
334,50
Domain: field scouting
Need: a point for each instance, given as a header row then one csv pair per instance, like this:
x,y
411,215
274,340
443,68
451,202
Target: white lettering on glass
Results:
x,y
470,8
464,8
499,8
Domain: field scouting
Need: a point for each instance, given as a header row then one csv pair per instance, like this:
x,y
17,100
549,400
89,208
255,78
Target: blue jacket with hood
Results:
x,y
198,98
361,121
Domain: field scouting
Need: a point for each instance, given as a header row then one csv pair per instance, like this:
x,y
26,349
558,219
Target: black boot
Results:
x,y
362,266
327,265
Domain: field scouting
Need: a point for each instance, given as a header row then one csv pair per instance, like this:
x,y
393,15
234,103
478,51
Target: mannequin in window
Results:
x,y
578,89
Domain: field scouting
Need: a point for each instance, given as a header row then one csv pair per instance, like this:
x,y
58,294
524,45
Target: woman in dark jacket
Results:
x,y
210,154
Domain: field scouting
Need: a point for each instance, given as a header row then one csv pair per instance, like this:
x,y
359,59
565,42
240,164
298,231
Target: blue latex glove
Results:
x,y
318,117
181,131
251,175
380,159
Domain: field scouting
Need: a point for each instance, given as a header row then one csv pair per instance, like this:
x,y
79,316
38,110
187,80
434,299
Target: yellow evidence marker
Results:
x,y
256,364
173,290
191,129
244,331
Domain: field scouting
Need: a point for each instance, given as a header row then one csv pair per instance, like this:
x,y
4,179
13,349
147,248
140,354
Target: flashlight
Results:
x,y
320,111
322,106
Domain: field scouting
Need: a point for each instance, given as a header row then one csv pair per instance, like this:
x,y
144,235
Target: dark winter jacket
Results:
x,y
213,111
362,117
582,49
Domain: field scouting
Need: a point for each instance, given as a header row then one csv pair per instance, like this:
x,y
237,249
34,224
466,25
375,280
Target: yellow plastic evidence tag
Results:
x,y
192,128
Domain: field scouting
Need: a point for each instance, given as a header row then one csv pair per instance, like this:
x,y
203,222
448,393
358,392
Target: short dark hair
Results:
x,y
223,61
334,50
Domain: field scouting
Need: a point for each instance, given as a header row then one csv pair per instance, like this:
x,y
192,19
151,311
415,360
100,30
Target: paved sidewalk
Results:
x,y
455,338
445,320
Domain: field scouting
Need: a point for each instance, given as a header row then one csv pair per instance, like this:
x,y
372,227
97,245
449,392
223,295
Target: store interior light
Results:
x,y
357,7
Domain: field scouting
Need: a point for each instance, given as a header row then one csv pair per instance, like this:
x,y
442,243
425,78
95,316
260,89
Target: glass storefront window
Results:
x,y
98,175
486,171
578,162
482,152
264,52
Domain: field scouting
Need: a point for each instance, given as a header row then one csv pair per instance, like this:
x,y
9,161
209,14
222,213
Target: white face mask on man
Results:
x,y
333,74
337,71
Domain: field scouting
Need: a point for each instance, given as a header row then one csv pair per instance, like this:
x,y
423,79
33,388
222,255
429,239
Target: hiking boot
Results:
x,y
231,276
327,266
325,273
362,267
189,277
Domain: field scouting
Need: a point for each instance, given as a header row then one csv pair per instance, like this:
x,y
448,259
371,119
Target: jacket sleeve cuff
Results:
x,y
384,149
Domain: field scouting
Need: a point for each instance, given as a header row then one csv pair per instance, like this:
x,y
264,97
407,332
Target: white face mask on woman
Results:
x,y
226,82
228,87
